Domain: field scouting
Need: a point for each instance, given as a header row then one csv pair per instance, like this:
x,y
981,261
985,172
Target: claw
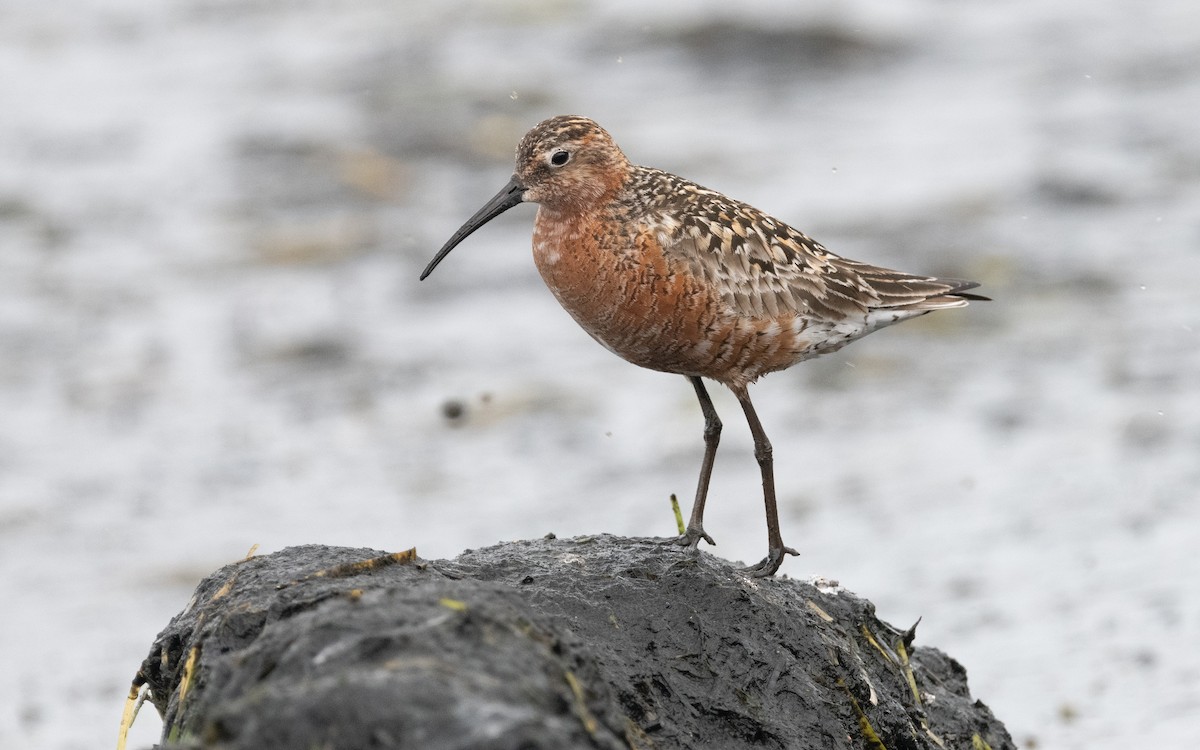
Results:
x,y
691,537
769,564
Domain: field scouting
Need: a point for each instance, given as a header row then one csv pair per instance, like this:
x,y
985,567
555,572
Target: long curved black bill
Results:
x,y
509,196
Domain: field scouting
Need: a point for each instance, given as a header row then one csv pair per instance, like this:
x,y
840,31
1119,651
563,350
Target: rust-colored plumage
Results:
x,y
679,278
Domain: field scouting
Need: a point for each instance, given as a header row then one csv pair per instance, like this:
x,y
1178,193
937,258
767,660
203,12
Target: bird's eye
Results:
x,y
559,158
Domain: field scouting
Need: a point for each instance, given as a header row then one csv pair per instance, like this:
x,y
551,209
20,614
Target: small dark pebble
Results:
x,y
454,410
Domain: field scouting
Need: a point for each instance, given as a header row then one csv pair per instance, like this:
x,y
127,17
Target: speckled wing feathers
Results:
x,y
765,268
902,291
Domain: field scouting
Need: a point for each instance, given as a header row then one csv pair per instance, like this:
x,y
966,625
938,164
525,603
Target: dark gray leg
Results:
x,y
712,435
762,452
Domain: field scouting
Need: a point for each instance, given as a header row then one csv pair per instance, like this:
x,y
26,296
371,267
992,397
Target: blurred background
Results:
x,y
212,219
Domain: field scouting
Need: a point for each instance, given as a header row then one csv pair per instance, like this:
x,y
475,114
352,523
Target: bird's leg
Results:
x,y
712,435
762,452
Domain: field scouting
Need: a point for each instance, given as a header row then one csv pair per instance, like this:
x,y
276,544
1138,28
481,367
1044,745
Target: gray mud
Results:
x,y
590,642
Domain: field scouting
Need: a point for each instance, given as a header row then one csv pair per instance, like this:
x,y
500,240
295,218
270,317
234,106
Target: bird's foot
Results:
x,y
769,564
691,537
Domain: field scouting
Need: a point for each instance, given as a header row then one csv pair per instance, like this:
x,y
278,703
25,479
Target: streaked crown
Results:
x,y
569,163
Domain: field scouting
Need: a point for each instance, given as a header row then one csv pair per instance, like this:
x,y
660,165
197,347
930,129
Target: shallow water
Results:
x,y
212,217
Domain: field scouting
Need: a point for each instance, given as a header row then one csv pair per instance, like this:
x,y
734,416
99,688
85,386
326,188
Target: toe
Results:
x,y
691,538
769,564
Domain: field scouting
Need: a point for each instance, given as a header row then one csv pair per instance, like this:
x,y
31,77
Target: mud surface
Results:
x,y
590,642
